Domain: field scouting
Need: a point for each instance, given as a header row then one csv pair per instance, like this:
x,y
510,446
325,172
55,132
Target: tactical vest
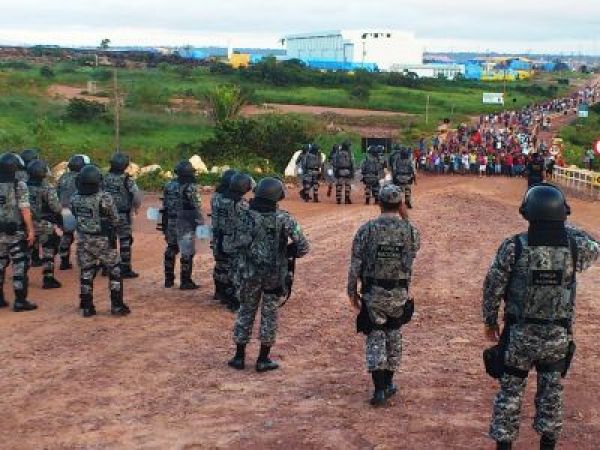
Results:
x,y
116,186
225,221
389,262
11,220
40,210
86,209
312,161
172,198
542,284
67,188
342,160
403,170
372,166
267,250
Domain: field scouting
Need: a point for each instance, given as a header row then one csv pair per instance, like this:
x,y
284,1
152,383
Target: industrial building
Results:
x,y
354,49
433,70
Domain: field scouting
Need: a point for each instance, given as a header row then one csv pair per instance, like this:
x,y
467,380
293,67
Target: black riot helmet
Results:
x,y
241,183
396,147
545,202
37,170
30,154
306,148
185,172
89,180
9,164
119,162
314,149
346,145
405,153
76,162
373,150
225,181
270,189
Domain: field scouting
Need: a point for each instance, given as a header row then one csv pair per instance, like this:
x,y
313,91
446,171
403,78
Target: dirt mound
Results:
x,y
159,379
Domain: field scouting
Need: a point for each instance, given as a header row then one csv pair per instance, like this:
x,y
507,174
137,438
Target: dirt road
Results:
x,y
158,378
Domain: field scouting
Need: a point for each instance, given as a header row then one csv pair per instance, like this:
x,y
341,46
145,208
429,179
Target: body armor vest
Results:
x,y
116,186
67,188
10,216
86,209
40,210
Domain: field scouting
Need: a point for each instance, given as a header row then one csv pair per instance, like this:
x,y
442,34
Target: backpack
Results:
x,y
267,244
312,161
343,160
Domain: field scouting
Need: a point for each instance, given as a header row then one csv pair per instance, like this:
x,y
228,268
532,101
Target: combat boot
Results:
x,y
348,201
503,445
390,387
187,284
238,361
169,280
329,190
316,198
264,363
117,306
86,304
547,443
220,293
65,264
408,204
3,302
379,397
51,283
21,303
36,261
367,201
127,272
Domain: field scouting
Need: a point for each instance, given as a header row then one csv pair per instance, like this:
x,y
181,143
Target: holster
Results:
x,y
365,325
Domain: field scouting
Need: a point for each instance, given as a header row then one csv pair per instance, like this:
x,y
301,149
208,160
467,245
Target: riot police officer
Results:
x,y
535,274
535,170
403,172
264,237
16,231
66,189
342,161
372,170
182,213
383,252
128,198
46,210
28,155
97,222
311,166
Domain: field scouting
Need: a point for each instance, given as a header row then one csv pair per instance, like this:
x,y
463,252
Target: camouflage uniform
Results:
x,y
261,240
97,222
66,189
372,170
403,174
311,165
383,252
224,213
45,210
123,188
14,197
343,166
183,212
538,285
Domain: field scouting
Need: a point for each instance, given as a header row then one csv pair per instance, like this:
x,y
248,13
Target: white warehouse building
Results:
x,y
355,49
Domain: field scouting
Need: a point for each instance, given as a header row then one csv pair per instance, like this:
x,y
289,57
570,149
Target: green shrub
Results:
x,y
360,93
151,181
147,94
82,110
47,72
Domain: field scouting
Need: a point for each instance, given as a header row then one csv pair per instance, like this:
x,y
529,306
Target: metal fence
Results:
x,y
583,181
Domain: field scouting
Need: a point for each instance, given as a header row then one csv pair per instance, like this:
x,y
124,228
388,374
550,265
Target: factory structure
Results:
x,y
354,49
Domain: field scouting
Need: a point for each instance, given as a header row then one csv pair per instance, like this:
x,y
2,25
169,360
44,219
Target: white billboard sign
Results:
x,y
493,98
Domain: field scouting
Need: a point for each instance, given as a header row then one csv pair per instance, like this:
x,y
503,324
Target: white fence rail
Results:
x,y
583,181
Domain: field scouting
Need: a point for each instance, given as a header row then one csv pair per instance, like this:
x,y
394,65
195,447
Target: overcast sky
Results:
x,y
480,25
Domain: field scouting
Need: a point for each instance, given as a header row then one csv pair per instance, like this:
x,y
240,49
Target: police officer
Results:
x,y
343,166
97,222
128,199
28,155
535,170
182,212
224,216
535,274
311,166
372,170
16,231
66,189
403,172
265,236
46,210
300,170
383,252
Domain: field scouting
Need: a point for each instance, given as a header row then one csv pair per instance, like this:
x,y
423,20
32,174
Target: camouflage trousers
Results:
x,y
46,236
250,296
311,182
530,345
66,241
94,252
125,236
384,350
177,242
222,271
346,185
372,190
14,249
407,189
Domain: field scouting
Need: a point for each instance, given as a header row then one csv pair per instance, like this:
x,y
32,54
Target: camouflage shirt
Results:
x,y
364,262
224,213
95,213
14,197
67,187
499,275
123,188
44,201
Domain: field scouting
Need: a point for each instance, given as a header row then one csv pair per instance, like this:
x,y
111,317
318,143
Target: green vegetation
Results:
x,y
580,136
156,128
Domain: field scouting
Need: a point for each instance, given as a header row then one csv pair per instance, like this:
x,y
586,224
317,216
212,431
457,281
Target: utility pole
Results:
x,y
117,112
427,111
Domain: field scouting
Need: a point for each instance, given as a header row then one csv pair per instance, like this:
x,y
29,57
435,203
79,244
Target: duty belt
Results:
x,y
512,320
388,285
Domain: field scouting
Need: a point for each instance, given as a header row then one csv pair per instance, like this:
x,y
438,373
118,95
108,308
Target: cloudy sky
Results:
x,y
506,25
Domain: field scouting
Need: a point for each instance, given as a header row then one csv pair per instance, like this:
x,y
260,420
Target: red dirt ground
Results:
x,y
158,378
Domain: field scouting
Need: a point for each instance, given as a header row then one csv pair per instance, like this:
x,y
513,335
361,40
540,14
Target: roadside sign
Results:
x,y
583,110
597,147
493,98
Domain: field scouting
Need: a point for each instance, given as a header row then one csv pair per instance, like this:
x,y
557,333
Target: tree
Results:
x,y
104,43
226,102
